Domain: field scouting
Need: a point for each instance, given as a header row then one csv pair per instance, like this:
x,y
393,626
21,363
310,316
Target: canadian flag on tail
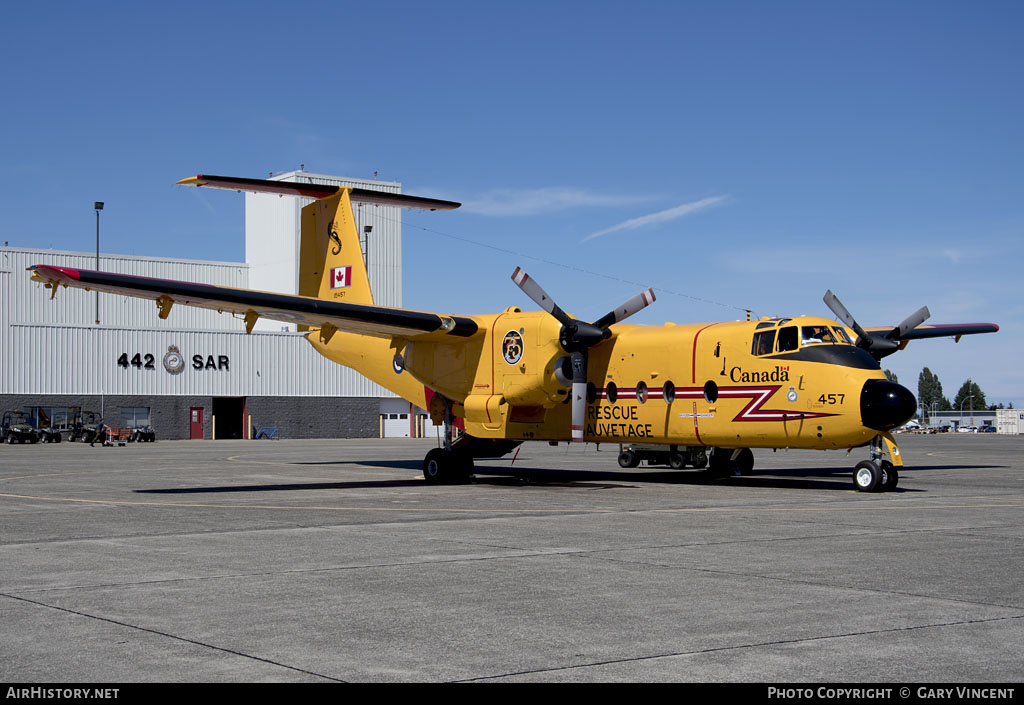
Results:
x,y
341,277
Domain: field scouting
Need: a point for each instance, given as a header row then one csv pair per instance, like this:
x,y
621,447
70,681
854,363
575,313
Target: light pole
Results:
x,y
98,205
970,398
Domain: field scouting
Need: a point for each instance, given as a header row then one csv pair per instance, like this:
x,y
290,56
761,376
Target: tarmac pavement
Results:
x,y
328,560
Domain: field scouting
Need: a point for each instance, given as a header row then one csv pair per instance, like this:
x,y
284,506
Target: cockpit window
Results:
x,y
810,335
764,342
842,337
788,339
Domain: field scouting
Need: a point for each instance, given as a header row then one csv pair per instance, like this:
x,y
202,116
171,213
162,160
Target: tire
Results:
x,y
701,461
628,459
867,476
442,467
890,477
718,463
676,461
744,463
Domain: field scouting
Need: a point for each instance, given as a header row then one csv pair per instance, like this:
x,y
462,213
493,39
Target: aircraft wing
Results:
x,y
947,330
365,319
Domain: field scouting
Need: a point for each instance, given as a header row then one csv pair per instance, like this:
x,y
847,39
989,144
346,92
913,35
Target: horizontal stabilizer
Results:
x,y
292,188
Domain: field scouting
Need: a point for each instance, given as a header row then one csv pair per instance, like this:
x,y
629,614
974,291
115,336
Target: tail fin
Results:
x,y
331,264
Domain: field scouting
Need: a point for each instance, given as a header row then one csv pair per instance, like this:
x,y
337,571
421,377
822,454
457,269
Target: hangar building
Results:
x,y
197,374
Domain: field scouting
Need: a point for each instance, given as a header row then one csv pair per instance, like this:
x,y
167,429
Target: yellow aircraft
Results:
x,y
704,394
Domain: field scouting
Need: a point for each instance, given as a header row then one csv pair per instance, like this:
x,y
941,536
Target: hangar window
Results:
x,y
764,343
134,416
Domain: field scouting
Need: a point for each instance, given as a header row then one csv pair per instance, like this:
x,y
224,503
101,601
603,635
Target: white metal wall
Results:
x,y
54,359
54,347
31,302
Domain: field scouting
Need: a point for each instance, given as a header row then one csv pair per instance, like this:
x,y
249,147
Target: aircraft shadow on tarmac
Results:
x,y
798,479
803,478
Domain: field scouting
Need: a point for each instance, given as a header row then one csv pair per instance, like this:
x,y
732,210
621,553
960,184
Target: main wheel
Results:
x,y
676,461
628,459
890,477
744,462
718,463
867,476
445,467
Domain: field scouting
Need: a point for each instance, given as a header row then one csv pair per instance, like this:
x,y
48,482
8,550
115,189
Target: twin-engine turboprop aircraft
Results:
x,y
706,392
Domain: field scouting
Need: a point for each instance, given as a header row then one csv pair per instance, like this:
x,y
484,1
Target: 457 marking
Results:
x,y
831,398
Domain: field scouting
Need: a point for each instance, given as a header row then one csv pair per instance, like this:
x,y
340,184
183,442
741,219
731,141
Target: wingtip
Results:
x,y
190,181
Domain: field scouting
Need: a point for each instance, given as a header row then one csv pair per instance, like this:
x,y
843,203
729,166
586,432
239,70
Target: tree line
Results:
x,y
930,396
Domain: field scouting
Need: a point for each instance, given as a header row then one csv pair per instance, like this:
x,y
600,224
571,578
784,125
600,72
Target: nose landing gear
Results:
x,y
879,474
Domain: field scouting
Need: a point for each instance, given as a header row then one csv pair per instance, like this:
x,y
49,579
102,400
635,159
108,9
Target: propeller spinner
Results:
x,y
877,344
578,336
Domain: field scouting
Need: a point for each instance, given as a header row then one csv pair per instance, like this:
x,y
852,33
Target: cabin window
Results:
x,y
764,343
612,392
710,392
788,339
812,335
669,392
842,337
641,392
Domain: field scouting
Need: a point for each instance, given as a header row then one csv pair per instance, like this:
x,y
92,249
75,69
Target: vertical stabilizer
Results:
x,y
331,264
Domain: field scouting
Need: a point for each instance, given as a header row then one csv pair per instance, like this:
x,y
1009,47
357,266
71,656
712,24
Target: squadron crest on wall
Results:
x,y
174,361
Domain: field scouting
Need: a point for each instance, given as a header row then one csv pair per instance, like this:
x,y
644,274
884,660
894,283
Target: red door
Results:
x,y
196,424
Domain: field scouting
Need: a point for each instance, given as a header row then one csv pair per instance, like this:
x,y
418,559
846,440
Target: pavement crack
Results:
x,y
168,635
738,647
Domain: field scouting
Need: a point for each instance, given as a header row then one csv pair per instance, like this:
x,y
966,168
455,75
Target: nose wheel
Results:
x,y
879,474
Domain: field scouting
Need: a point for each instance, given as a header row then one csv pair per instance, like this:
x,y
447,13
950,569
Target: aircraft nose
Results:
x,y
885,405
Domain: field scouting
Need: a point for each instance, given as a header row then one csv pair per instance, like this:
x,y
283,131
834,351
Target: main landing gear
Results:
x,y
878,474
450,464
453,463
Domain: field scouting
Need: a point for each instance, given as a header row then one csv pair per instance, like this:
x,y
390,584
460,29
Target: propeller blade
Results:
x,y
910,323
532,289
627,309
579,393
833,302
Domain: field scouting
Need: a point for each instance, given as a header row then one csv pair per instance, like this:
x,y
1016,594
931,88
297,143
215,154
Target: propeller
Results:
x,y
879,345
578,336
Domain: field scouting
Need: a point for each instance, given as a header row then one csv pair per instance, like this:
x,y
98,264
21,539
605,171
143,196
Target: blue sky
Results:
x,y
732,155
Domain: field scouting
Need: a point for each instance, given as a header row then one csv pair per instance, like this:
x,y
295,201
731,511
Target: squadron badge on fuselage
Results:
x,y
512,347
